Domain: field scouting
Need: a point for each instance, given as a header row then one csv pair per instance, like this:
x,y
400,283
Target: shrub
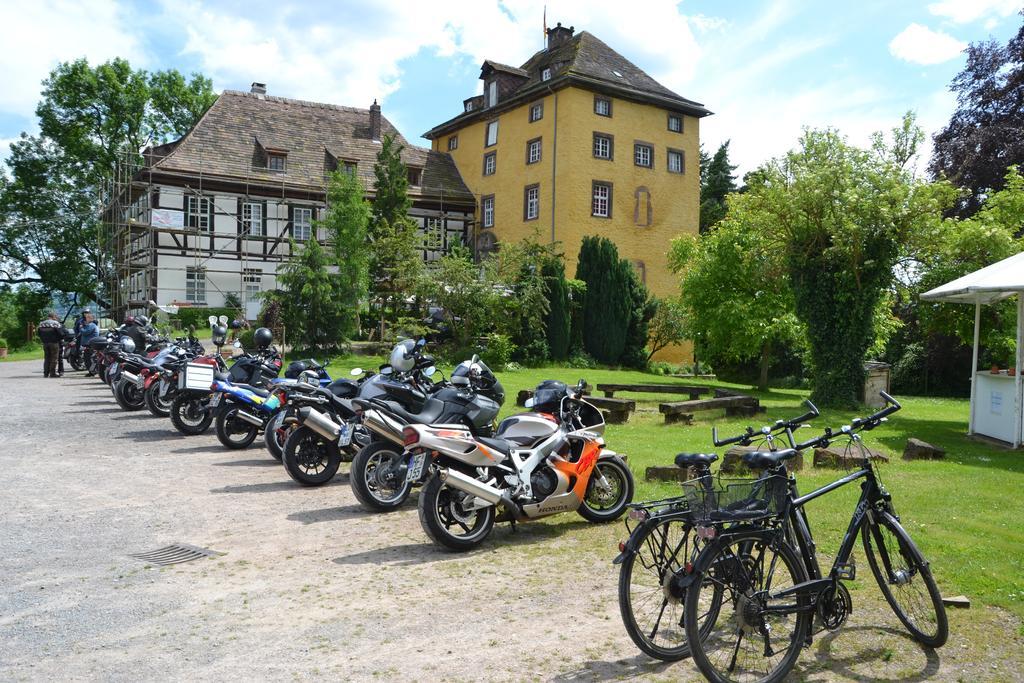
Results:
x,y
534,354
497,351
660,367
557,321
582,360
3,343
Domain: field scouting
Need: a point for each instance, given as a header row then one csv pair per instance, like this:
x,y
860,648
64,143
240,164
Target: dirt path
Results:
x,y
310,586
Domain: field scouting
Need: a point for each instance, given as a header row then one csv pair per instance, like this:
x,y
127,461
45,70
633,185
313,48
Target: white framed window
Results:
x,y
302,223
252,219
675,161
492,93
602,146
195,285
252,278
490,163
601,204
492,134
453,143
643,155
536,112
545,75
199,213
602,106
487,211
675,123
531,202
533,151
276,162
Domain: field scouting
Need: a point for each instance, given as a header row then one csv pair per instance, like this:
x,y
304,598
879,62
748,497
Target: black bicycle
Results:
x,y
660,547
763,583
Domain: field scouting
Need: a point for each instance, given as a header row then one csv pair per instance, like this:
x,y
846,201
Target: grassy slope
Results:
x,y
964,512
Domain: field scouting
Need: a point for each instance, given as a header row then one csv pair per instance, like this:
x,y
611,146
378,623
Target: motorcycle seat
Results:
x,y
432,410
256,390
762,460
500,445
685,460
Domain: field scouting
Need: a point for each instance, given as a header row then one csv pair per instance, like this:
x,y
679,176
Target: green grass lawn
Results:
x,y
33,352
964,512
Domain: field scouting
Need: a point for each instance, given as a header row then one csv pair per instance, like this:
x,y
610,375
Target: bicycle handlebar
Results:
x,y
862,423
779,425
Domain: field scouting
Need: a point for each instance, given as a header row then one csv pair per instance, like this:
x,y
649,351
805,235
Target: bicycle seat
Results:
x,y
763,460
500,445
685,460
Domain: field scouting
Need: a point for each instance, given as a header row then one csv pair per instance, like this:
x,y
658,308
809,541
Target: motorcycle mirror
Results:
x,y
386,370
212,320
223,320
356,371
421,343
238,344
474,359
429,371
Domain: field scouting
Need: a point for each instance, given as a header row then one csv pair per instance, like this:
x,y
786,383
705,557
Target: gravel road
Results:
x,y
311,586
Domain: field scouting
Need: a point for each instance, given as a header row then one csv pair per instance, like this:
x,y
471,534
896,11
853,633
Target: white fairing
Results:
x,y
527,428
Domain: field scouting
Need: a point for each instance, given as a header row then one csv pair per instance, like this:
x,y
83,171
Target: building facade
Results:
x,y
579,141
210,216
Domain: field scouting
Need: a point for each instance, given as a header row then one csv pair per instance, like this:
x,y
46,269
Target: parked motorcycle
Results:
x,y
471,399
469,477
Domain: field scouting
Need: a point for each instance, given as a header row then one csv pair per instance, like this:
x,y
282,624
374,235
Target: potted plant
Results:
x,y
3,348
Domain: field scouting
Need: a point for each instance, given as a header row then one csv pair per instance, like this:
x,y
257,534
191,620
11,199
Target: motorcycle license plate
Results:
x,y
416,467
345,435
215,400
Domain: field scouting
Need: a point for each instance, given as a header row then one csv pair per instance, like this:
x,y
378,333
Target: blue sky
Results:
x,y
765,68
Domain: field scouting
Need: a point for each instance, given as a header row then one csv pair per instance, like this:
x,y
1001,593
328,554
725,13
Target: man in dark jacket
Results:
x,y
137,332
50,332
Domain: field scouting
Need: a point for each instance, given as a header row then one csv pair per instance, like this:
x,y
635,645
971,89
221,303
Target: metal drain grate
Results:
x,y
175,554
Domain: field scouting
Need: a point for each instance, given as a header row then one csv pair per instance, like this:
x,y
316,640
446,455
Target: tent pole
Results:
x,y
974,365
1019,394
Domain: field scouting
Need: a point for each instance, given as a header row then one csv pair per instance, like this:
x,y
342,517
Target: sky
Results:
x,y
766,69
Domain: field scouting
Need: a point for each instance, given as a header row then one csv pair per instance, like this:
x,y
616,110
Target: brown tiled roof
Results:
x,y
229,140
498,66
586,61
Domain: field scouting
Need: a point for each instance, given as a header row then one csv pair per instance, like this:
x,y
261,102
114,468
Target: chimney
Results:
x,y
559,35
258,89
375,121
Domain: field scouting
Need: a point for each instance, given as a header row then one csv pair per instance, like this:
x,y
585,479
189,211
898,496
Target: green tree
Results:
x,y
641,311
735,287
557,323
88,116
470,304
717,181
314,300
841,217
395,262
669,326
347,222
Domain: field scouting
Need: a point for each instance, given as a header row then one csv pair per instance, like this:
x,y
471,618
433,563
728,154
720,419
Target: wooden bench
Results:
x,y
682,411
694,392
615,410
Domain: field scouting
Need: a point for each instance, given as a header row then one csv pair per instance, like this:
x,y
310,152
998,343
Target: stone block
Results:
x,y
838,457
666,474
921,450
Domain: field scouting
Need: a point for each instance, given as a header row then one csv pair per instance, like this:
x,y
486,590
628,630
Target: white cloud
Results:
x,y
353,55
39,34
966,11
921,45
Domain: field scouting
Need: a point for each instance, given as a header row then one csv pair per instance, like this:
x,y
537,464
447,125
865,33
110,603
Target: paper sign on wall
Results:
x,y
168,218
996,403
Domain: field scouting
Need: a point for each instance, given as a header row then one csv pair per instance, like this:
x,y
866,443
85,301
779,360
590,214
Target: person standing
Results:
x,y
90,330
50,332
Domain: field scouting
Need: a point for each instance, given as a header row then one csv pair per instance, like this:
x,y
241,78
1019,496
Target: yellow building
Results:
x,y
579,141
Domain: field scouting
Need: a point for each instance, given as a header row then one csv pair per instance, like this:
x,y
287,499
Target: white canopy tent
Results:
x,y
989,409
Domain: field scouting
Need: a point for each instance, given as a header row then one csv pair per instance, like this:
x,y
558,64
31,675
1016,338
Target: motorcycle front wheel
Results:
x,y
602,504
308,458
377,477
232,431
447,522
190,415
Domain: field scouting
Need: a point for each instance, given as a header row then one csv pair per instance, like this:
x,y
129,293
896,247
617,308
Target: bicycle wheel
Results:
x,y
755,637
906,580
652,607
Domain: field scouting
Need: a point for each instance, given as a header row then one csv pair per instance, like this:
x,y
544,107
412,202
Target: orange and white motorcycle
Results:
x,y
540,463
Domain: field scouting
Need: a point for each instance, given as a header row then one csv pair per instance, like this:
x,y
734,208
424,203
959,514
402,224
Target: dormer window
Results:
x,y
276,162
545,75
415,176
469,105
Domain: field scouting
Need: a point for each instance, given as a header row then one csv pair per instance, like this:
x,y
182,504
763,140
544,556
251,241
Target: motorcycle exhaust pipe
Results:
x,y
251,419
319,423
472,486
375,422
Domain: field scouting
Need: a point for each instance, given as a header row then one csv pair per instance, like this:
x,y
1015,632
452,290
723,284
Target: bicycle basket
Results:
x,y
712,499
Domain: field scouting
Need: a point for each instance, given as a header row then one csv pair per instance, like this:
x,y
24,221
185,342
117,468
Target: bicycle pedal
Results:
x,y
847,572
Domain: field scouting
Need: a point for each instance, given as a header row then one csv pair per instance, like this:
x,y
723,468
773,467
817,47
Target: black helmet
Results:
x,y
262,337
142,320
548,396
296,368
219,334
